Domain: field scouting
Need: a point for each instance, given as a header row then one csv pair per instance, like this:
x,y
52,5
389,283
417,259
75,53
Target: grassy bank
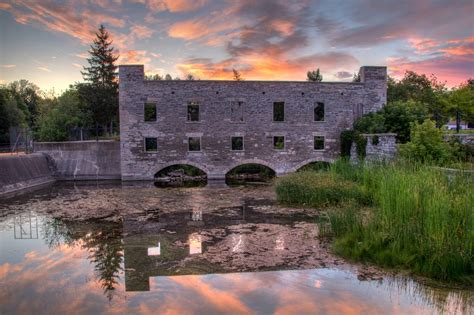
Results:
x,y
403,216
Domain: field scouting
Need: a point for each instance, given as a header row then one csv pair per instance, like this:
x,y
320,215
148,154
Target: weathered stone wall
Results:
x,y
343,103
18,172
83,160
464,138
380,146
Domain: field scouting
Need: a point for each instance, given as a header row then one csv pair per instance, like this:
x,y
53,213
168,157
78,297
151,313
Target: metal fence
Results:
x,y
21,140
93,133
17,140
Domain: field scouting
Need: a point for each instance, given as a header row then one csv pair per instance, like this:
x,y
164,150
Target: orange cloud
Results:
x,y
5,6
62,18
221,301
423,45
44,69
141,31
174,5
454,69
134,57
268,67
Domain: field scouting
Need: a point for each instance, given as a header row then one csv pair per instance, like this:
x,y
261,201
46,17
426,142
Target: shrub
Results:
x,y
427,145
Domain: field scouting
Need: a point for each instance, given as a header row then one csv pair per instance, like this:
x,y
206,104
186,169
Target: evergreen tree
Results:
x,y
314,76
168,77
100,92
102,70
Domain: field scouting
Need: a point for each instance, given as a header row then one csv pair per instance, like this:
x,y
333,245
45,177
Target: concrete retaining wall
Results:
x,y
83,160
18,172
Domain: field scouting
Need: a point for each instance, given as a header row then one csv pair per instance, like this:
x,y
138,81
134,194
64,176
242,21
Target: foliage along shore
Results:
x,y
403,216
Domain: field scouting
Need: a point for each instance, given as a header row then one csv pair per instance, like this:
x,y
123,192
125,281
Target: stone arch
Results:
x,y
308,161
250,161
180,162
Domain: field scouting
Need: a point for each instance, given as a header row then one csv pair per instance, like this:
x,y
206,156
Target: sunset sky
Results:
x,y
46,41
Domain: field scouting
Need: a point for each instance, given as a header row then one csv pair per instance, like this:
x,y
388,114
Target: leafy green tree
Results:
x,y
100,92
427,144
57,116
27,96
314,76
10,114
155,77
190,77
236,75
168,77
427,91
395,117
356,77
461,104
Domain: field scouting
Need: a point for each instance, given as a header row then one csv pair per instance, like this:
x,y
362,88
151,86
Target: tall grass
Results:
x,y
419,219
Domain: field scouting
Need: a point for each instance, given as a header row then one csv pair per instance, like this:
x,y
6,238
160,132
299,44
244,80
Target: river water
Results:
x,y
114,249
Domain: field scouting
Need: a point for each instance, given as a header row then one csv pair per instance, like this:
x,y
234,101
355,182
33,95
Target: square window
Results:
x,y
193,111
237,143
319,142
237,111
279,143
150,112
279,111
151,144
194,144
319,112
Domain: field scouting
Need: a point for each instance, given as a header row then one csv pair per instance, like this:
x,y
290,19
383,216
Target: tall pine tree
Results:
x,y
100,92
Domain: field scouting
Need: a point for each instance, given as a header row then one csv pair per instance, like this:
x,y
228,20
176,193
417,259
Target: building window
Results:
x,y
237,111
319,112
237,143
151,144
279,111
193,111
194,144
319,142
279,142
150,112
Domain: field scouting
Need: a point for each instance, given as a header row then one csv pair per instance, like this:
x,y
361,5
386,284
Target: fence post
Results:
x,y
82,136
97,132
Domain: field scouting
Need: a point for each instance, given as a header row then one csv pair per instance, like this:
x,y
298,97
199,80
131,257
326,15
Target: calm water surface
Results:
x,y
185,262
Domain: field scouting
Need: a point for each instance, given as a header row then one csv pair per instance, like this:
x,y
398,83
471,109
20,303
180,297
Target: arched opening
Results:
x,y
250,173
180,175
317,166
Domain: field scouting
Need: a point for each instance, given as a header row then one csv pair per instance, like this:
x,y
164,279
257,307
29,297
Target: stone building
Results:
x,y
218,125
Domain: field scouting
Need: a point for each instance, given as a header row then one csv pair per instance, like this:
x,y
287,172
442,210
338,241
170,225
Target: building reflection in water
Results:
x,y
25,226
196,215
280,243
154,251
238,243
195,244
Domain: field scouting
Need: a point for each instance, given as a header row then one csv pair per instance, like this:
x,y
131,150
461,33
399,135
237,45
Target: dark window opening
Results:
x,y
193,111
150,112
279,142
237,143
375,140
151,145
319,112
237,111
194,144
279,111
319,142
